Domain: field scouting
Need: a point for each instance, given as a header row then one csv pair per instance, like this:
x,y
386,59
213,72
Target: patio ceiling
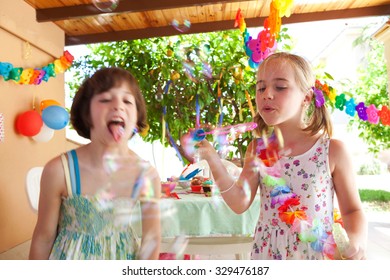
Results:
x,y
83,23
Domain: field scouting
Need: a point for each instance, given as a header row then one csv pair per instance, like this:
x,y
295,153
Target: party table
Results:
x,y
207,224
197,215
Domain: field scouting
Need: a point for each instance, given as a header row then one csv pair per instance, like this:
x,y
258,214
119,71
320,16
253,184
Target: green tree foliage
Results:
x,y
371,88
154,62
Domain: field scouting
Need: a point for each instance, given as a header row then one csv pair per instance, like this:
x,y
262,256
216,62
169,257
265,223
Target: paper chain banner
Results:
x,y
30,76
365,112
265,44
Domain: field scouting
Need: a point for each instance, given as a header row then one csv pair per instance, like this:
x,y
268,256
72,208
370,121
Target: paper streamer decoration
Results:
x,y
265,44
2,135
365,112
34,76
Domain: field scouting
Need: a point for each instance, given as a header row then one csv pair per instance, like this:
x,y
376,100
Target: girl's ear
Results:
x,y
308,97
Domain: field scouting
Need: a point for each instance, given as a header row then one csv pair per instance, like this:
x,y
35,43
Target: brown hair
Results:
x,y
319,118
103,80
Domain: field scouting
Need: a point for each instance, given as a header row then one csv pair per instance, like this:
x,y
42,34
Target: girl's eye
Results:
x,y
104,100
281,88
261,89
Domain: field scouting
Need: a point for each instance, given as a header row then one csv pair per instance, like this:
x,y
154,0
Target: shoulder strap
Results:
x,y
74,172
67,176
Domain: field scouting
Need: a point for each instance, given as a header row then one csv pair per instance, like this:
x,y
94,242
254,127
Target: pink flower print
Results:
x,y
264,243
304,187
326,220
275,222
282,232
317,207
314,158
266,207
296,162
295,248
287,165
319,150
324,204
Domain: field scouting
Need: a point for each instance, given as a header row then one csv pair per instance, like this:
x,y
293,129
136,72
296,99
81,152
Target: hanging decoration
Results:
x,y
365,112
265,44
30,76
41,126
29,123
165,127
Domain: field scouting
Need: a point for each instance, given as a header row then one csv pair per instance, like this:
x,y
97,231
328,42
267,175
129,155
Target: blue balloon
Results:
x,y
55,117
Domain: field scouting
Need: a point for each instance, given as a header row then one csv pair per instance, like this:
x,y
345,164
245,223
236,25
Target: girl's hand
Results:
x,y
193,148
206,150
354,252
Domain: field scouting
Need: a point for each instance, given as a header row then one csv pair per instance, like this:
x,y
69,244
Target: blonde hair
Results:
x,y
319,118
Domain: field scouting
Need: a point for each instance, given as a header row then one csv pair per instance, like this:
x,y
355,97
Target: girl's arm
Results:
x,y
151,224
239,194
52,189
349,200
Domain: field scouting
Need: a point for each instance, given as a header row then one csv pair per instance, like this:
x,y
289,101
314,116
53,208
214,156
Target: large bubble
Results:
x,y
106,6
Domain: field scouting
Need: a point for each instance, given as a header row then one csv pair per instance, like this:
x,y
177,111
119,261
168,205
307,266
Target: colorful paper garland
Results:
x,y
365,112
265,44
30,76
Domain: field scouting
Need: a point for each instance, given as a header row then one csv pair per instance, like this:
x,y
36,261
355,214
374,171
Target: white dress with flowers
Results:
x,y
309,183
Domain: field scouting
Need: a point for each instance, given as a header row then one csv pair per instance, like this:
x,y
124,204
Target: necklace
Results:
x,y
288,203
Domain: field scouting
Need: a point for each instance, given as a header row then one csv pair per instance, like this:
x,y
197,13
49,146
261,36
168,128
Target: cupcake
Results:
x,y
207,186
196,184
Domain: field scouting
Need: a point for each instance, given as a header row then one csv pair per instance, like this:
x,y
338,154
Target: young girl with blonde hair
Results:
x,y
296,183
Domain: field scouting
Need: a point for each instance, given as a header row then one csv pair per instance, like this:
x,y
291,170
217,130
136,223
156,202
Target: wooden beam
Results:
x,y
223,25
79,11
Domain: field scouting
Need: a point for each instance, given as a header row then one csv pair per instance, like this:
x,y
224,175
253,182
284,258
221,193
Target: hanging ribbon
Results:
x,y
248,98
173,144
220,102
197,109
167,86
165,127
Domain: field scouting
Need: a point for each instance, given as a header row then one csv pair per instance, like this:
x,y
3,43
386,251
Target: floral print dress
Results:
x,y
88,231
308,177
94,227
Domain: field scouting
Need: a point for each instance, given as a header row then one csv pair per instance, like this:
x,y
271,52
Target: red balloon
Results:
x,y
29,123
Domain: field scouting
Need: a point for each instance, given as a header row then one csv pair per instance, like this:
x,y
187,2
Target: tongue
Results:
x,y
117,131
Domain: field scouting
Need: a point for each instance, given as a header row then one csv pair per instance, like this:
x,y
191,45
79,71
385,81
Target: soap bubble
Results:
x,y
106,6
181,27
159,96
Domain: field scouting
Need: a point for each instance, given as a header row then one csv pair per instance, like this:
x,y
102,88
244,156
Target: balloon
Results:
x,y
48,102
29,123
55,117
44,135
